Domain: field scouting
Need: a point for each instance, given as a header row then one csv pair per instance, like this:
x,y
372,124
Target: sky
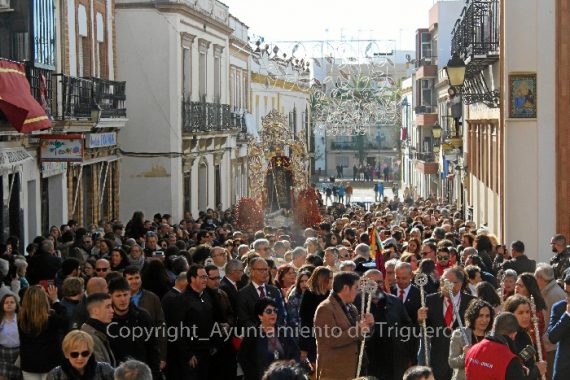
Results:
x,y
301,20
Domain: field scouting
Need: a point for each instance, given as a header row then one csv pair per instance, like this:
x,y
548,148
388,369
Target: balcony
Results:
x,y
426,115
80,95
426,71
206,117
41,86
425,163
476,41
476,32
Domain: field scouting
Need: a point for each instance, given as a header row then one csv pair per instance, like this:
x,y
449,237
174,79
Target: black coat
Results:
x,y
93,371
231,291
197,310
40,353
248,296
255,354
172,305
309,303
386,349
412,303
522,339
42,266
440,339
520,264
144,349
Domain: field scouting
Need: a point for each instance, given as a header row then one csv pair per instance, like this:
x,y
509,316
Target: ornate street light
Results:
x,y
436,131
455,70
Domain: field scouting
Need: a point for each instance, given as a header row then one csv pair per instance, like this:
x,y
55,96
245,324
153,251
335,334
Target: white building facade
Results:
x,y
178,144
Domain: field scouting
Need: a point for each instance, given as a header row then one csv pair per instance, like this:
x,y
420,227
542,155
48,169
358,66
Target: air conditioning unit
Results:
x,y
5,6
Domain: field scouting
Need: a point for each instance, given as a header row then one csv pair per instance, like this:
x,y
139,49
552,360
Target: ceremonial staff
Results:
x,y
421,280
367,287
448,286
536,331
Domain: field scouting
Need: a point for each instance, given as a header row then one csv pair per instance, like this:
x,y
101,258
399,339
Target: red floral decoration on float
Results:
x,y
248,215
307,213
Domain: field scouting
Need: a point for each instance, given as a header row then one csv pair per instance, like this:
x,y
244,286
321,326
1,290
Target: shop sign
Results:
x,y
11,157
101,140
50,169
61,148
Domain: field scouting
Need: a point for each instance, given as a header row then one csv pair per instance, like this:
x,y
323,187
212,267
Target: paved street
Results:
x,y
363,191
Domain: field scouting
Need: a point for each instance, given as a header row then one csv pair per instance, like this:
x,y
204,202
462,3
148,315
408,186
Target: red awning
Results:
x,y
16,100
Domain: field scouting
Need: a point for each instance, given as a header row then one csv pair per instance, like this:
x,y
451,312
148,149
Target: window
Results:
x,y
426,45
218,50
186,73
426,93
81,72
44,32
203,78
217,78
188,191
97,60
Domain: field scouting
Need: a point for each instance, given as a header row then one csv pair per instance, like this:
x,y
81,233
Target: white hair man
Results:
x,y
262,248
298,256
362,258
552,293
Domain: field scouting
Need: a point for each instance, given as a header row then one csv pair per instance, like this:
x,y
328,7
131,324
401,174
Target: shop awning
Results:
x,y
23,112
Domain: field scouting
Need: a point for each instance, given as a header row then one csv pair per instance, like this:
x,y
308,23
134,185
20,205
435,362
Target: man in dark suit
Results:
x,y
410,296
44,265
385,349
520,263
173,314
441,319
256,289
559,332
229,284
197,313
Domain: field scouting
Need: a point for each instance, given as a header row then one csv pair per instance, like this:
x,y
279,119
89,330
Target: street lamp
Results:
x,y
96,112
436,131
455,70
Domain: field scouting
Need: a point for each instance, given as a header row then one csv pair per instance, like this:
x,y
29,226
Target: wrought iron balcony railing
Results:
x,y
79,96
425,156
206,117
41,85
476,32
475,39
425,109
110,96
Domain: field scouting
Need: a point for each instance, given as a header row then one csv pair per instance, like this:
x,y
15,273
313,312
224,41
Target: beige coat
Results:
x,y
337,341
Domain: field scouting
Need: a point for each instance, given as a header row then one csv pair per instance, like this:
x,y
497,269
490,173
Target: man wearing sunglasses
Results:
x,y
102,267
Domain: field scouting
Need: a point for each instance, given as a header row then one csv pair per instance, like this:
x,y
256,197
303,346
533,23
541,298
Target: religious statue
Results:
x,y
278,184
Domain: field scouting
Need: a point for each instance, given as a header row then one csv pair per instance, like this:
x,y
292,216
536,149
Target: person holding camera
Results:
x,y
493,358
523,344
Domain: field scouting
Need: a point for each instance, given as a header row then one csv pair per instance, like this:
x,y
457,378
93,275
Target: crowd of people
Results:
x,y
202,298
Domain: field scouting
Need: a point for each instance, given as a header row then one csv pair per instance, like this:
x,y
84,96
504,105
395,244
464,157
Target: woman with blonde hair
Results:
x,y
318,289
40,327
79,360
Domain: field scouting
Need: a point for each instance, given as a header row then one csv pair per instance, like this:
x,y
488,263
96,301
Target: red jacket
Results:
x,y
488,360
